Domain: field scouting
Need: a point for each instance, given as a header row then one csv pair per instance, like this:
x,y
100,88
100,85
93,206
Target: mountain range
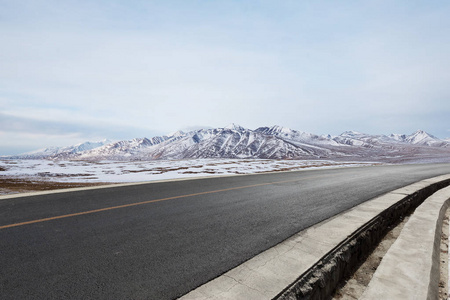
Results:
x,y
274,142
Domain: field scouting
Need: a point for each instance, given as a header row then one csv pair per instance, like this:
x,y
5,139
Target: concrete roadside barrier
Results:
x,y
311,263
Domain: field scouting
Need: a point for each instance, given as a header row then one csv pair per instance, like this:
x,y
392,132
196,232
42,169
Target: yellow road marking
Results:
x,y
137,203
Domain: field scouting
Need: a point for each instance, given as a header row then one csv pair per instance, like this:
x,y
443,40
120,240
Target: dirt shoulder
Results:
x,y
10,186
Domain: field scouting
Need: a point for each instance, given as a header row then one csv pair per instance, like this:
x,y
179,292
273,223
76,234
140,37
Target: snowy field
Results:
x,y
138,171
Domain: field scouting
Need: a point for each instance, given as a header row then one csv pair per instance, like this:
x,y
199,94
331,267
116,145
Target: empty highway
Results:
x,y
161,240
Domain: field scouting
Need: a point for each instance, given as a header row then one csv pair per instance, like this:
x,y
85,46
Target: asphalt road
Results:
x,y
160,240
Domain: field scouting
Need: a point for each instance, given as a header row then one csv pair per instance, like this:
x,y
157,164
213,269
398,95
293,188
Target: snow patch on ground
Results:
x,y
139,171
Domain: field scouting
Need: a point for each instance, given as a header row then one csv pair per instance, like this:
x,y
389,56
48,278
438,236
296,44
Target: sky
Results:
x,y
75,71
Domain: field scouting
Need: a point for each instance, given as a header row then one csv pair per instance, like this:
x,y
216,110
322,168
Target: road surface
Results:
x,y
160,240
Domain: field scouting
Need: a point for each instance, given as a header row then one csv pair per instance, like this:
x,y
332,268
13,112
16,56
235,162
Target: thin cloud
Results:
x,y
23,125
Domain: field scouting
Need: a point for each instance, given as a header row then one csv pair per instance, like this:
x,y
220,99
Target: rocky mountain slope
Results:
x,y
274,142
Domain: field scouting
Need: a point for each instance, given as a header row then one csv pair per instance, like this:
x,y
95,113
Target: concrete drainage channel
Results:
x,y
331,250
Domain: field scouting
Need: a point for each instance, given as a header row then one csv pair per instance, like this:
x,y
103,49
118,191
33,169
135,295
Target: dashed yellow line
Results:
x,y
136,204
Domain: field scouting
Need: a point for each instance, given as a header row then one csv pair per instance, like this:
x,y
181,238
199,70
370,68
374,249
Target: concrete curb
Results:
x,y
410,269
322,254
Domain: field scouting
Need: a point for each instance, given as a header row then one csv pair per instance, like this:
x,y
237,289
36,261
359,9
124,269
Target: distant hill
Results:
x,y
274,142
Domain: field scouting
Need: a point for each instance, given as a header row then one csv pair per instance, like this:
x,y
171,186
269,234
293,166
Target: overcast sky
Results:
x,y
72,71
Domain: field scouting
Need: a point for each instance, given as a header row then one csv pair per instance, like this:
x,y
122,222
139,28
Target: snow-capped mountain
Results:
x,y
354,138
295,135
232,141
276,142
62,152
420,137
